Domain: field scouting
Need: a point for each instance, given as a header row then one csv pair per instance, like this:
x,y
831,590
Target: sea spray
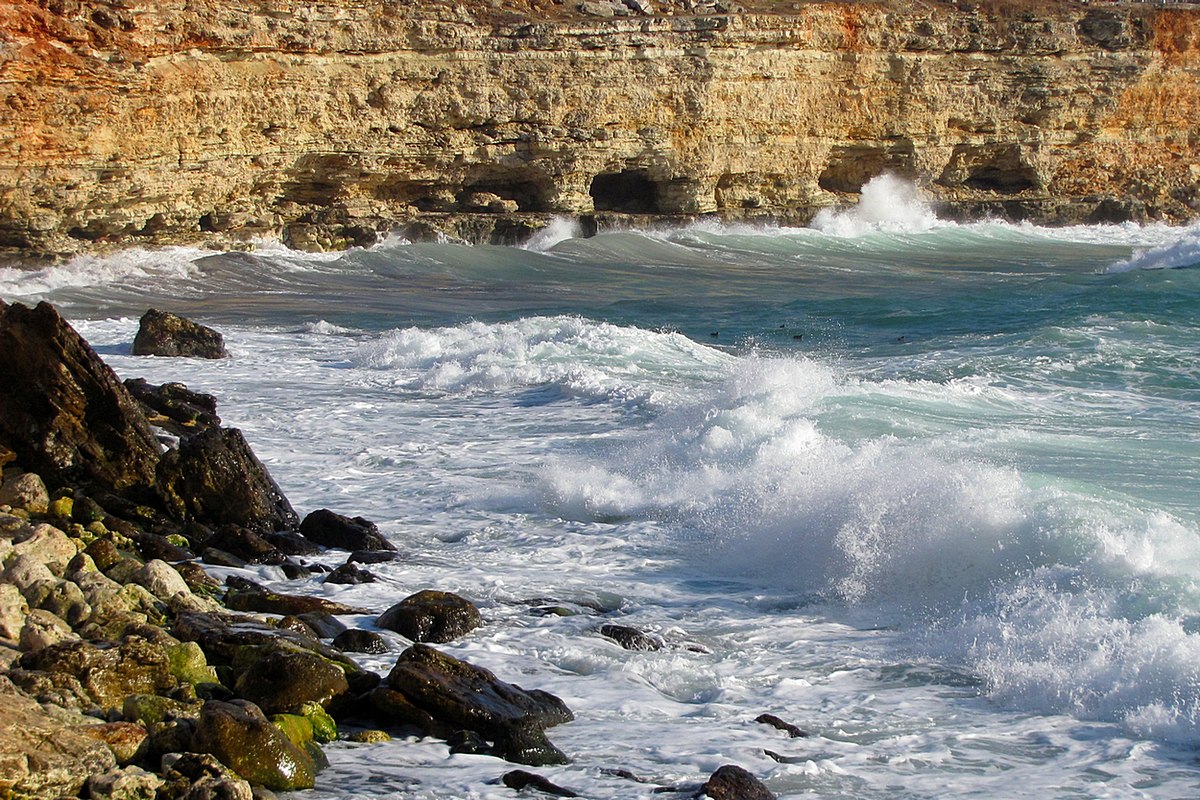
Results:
x,y
887,203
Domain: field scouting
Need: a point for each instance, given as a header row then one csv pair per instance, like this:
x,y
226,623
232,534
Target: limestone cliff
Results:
x,y
327,121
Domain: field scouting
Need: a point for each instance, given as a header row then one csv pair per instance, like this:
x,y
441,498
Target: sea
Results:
x,y
926,490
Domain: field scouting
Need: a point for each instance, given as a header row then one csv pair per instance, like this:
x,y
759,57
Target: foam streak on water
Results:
x,y
926,491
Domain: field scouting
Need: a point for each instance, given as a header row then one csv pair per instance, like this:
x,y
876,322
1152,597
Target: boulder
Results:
x,y
731,782
66,601
350,574
173,407
282,680
26,572
161,579
13,610
162,333
331,529
214,478
199,776
43,756
43,630
108,673
431,616
443,695
25,491
64,412
268,602
126,739
356,641
242,738
48,545
128,783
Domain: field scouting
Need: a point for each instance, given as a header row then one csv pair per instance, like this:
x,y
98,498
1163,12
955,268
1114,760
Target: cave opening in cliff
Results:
x,y
630,191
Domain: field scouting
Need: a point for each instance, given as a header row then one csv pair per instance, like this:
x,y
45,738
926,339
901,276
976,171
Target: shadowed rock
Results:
x,y
214,477
356,641
64,412
442,695
283,680
431,616
174,407
330,529
162,333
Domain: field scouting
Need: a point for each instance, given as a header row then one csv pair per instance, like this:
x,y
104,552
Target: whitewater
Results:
x,y
926,490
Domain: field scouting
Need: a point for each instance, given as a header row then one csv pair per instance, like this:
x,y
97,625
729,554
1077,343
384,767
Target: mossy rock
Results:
x,y
242,738
369,736
61,508
298,729
152,709
323,725
187,663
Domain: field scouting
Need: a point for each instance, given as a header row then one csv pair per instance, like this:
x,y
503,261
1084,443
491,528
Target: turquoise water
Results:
x,y
925,489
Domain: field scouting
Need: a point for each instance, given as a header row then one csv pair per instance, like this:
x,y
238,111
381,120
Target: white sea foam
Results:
x,y
593,360
1183,251
887,203
165,265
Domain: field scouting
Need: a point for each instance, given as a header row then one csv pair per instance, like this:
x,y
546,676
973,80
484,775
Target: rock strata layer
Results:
x,y
332,121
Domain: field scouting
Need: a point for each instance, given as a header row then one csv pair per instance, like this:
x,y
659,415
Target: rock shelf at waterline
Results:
x,y
130,670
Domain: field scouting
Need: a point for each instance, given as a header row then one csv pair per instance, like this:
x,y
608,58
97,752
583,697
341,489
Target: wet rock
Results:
x,y
630,638
64,412
13,610
268,602
330,529
173,407
356,641
41,756
326,626
431,616
25,491
127,740
162,333
291,543
245,544
373,556
731,782
369,736
199,581
242,738
775,722
152,710
443,695
519,779
214,478
104,553
350,574
283,680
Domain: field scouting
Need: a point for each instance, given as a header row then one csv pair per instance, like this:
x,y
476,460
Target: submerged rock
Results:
x,y
431,616
442,695
630,638
731,782
330,529
162,333
519,779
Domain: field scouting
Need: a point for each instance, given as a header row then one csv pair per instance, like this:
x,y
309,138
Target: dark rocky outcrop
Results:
x,y
330,529
282,680
242,738
64,412
731,782
162,333
214,476
256,598
350,574
356,641
431,616
174,407
441,695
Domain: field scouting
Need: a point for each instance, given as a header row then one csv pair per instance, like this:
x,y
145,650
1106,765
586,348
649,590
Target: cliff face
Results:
x,y
328,120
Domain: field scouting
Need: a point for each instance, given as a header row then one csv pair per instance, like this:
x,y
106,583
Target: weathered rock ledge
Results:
x,y
329,122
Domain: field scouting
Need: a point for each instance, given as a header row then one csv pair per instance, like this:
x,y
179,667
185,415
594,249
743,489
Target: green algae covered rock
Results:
x,y
243,739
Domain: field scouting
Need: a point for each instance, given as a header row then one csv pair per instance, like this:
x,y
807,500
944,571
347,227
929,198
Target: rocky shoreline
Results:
x,y
129,671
